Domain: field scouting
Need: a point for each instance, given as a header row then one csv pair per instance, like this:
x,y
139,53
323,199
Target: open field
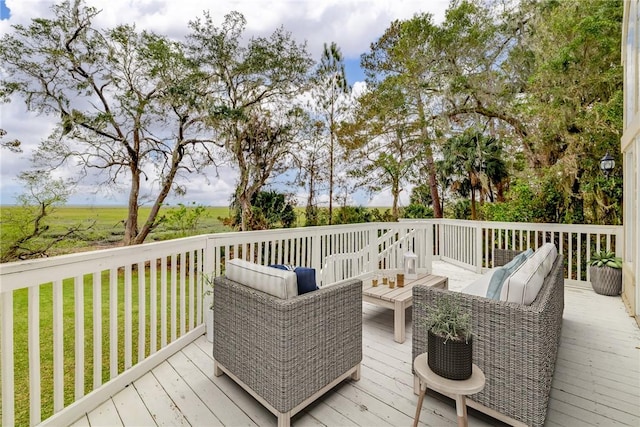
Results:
x,y
107,224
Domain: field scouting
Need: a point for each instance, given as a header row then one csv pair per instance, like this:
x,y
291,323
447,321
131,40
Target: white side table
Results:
x,y
459,388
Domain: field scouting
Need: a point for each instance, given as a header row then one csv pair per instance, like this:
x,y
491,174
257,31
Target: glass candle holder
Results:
x,y
392,282
374,280
385,279
400,280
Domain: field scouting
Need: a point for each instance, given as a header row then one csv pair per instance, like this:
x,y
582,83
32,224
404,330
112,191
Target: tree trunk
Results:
x,y
431,167
395,191
473,204
245,206
474,182
312,218
331,175
131,224
164,192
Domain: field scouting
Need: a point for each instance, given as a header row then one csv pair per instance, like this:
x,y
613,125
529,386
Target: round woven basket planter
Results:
x,y
450,360
606,280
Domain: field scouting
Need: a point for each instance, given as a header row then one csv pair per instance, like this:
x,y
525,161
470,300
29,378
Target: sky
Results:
x,y
352,24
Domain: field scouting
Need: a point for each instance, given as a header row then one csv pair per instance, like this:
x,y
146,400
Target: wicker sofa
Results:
x,y
287,352
514,344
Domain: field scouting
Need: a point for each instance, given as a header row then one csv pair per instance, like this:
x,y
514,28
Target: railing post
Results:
x,y
209,263
208,267
478,247
316,255
429,248
373,248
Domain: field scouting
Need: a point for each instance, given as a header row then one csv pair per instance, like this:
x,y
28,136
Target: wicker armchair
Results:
x,y
515,345
287,352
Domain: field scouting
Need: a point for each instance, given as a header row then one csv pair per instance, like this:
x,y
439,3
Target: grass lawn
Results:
x,y
20,306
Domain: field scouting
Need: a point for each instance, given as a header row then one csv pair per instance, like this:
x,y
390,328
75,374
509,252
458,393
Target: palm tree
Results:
x,y
474,162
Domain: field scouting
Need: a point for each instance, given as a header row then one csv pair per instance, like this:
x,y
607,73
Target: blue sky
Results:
x,y
4,12
352,24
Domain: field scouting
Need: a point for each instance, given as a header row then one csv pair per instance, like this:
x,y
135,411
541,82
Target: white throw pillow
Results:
x,y
524,284
279,283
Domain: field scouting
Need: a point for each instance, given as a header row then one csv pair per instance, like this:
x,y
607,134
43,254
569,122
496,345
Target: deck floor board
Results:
x,y
597,380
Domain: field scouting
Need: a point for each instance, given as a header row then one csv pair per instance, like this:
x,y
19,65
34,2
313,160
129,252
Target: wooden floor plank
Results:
x,y
132,409
187,401
160,405
355,411
200,353
105,415
328,415
597,379
81,422
225,409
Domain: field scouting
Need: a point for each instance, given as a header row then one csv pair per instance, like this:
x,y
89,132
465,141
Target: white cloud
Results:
x,y
385,199
352,24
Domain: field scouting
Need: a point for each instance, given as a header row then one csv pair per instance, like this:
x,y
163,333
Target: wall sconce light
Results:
x,y
607,163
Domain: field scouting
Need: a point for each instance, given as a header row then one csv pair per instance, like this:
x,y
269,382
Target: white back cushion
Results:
x,y
279,283
524,284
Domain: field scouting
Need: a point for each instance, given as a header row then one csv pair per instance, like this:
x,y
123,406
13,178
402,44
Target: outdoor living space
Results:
x,y
158,368
596,381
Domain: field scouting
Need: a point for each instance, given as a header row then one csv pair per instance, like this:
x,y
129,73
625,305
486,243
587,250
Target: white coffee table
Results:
x,y
399,299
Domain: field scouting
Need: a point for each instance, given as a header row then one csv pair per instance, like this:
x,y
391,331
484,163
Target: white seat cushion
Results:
x,y
279,283
479,286
524,284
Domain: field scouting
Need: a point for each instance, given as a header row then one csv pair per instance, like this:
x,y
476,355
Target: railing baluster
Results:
x,y
579,258
200,285
569,256
78,286
142,311
34,356
153,305
58,348
285,257
192,290
113,323
183,293
128,328
97,329
163,302
6,350
174,297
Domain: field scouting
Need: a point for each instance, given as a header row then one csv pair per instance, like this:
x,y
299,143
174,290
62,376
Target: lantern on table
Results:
x,y
410,262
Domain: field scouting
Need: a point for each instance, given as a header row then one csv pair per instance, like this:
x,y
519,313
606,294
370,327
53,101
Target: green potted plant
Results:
x,y
449,341
606,273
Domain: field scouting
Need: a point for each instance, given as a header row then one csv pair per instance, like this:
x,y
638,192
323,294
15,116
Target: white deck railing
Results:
x,y
471,244
133,307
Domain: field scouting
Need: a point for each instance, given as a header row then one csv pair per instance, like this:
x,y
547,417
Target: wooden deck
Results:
x,y
596,382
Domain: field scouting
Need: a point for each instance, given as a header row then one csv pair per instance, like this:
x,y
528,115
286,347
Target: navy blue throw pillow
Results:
x,y
306,277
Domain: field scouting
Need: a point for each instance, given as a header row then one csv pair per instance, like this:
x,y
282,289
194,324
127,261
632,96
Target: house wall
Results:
x,y
630,148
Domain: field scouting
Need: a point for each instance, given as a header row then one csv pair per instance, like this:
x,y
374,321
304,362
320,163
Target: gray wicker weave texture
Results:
x,y
503,256
515,345
286,350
